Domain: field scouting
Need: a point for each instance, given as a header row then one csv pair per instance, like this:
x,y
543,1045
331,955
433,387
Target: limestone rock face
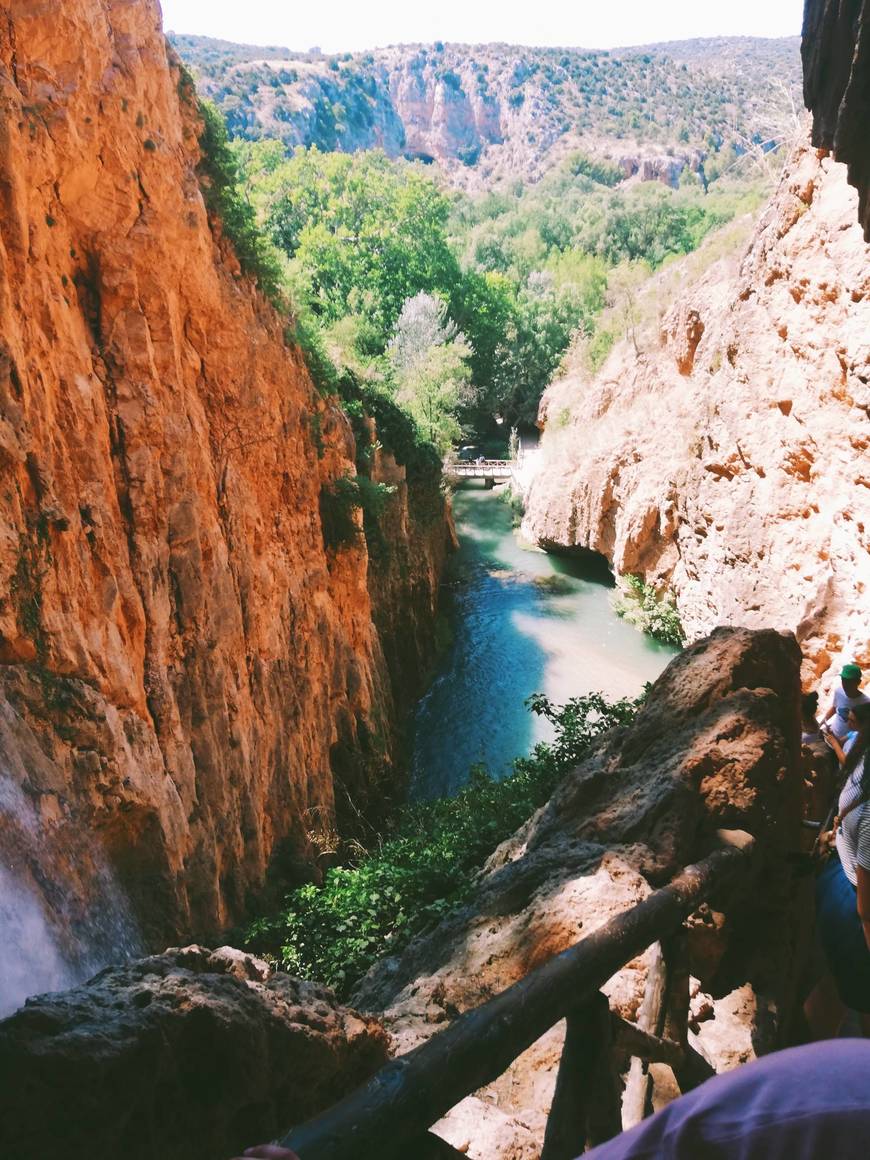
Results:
x,y
727,456
491,112
836,57
186,667
717,744
189,1054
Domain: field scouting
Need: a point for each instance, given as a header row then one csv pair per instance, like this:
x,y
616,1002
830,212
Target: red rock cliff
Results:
x,y
183,660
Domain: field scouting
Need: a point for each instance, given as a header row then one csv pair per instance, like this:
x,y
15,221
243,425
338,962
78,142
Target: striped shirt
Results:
x,y
853,834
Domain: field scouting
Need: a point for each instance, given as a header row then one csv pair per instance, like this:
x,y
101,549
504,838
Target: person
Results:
x,y
843,893
819,764
846,697
800,1104
270,1152
811,731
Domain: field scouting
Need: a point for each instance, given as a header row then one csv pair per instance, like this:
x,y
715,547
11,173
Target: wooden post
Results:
x,y
692,1069
565,1137
604,1117
629,1038
650,1018
585,1106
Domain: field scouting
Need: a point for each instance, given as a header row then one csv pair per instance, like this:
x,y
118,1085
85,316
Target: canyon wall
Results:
x,y
722,450
189,674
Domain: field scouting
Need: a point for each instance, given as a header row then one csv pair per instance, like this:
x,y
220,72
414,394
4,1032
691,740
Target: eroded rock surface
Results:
x,y
188,1055
728,456
717,745
187,669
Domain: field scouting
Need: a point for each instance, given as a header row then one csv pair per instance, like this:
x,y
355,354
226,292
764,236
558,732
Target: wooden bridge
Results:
x,y
493,471
391,1115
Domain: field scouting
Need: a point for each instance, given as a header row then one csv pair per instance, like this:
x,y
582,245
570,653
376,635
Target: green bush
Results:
x,y
601,172
641,605
396,429
305,334
219,180
425,866
341,500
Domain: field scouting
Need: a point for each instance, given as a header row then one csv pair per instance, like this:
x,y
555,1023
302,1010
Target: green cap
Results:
x,y
851,673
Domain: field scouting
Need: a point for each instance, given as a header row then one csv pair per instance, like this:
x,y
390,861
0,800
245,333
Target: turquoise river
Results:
x,y
523,622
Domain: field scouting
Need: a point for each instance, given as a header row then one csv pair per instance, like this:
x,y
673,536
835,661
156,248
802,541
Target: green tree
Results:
x,y
430,360
363,233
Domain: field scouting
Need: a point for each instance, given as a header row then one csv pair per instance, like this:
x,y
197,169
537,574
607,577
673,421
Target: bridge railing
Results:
x,y
390,1116
483,468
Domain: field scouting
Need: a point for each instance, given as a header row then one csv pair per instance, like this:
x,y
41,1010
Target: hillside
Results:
x,y
500,111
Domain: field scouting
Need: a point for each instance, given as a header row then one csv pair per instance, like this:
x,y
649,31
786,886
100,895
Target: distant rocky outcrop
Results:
x,y
189,1055
717,744
836,57
491,112
722,450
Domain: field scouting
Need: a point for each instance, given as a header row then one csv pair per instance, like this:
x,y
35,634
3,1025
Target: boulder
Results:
x,y
192,1054
716,745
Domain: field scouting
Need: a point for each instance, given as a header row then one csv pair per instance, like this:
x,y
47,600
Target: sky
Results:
x,y
351,25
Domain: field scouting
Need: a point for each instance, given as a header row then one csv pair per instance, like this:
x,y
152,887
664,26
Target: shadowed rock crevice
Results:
x,y
836,56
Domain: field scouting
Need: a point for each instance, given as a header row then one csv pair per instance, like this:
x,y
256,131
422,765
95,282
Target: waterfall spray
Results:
x,y
58,927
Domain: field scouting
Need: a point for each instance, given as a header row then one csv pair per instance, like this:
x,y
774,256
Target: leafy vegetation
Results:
x,y
640,604
424,867
219,179
378,257
520,271
488,293
340,502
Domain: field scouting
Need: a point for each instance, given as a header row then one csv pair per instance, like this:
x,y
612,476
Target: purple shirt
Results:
x,y
806,1103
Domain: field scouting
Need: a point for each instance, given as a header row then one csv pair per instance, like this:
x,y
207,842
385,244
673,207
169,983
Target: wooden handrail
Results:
x,y
397,1106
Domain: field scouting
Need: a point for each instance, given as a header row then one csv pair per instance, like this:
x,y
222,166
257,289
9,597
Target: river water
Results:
x,y
523,622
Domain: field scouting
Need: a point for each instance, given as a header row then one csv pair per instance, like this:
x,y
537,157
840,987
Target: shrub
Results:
x,y
341,500
424,868
304,333
601,172
641,605
396,429
219,180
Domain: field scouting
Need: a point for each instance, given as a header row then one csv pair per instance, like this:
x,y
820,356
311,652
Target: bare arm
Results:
x,y
271,1152
864,901
830,713
837,747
